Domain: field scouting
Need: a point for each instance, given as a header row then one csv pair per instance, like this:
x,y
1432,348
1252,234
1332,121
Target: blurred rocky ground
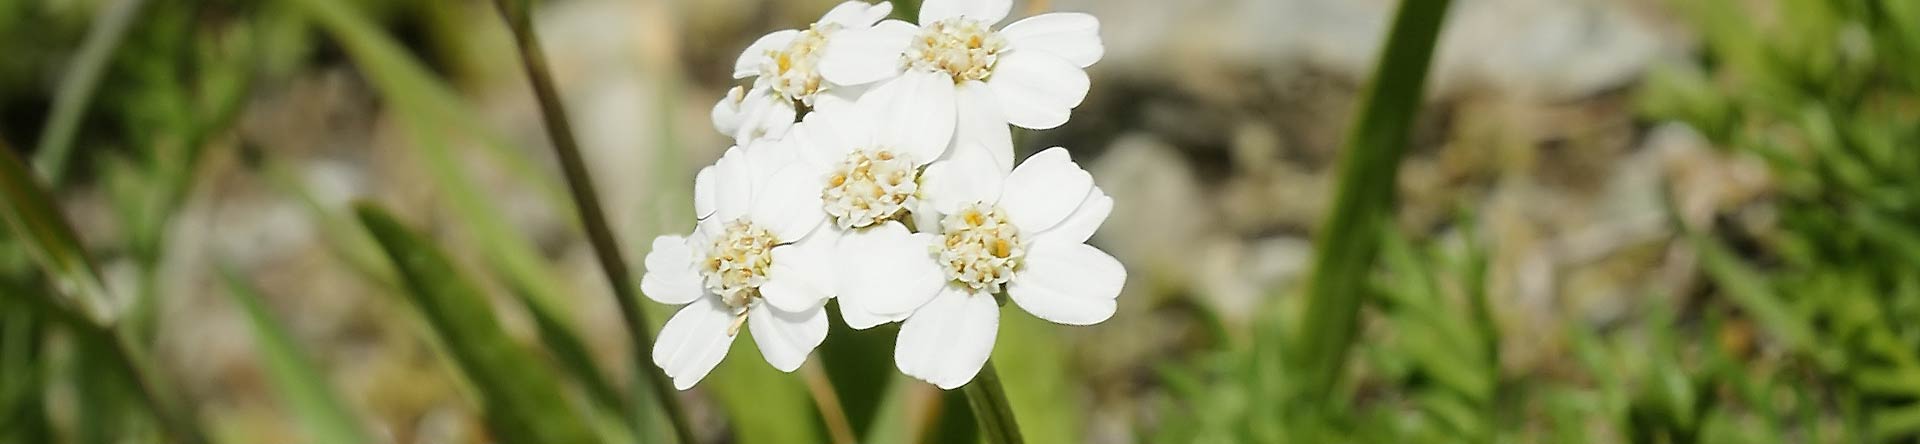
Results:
x,y
1213,123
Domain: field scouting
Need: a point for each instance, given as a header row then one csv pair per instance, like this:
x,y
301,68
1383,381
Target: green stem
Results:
x,y
29,210
587,202
990,407
180,421
1349,237
82,78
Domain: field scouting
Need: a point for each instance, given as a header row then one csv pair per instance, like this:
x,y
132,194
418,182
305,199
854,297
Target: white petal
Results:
x,y
1036,89
859,319
1044,189
726,113
838,96
829,134
946,341
670,277
857,14
884,270
764,114
1070,35
990,11
1068,282
768,156
785,338
788,203
983,124
704,193
733,185
803,273
1086,219
693,341
968,176
859,56
914,114
748,64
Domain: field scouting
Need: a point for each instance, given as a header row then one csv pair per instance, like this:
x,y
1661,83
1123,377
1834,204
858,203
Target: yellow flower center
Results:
x,y
981,249
794,70
962,47
869,187
738,261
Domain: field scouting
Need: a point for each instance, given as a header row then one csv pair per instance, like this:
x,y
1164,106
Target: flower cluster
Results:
x,y
873,163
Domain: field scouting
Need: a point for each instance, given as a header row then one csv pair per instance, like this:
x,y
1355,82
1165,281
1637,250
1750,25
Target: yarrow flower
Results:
x,y
954,65
785,69
1022,234
874,164
748,262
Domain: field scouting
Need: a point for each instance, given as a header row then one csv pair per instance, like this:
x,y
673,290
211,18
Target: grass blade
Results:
x,y
29,210
586,200
414,90
301,384
1344,252
82,78
429,110
51,242
522,398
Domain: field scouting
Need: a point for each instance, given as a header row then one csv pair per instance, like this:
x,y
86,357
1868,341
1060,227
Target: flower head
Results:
x,y
748,262
954,64
1022,233
865,167
787,79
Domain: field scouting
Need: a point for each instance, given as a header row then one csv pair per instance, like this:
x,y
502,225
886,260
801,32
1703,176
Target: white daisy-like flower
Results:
x,y
785,68
1022,233
955,65
748,262
865,165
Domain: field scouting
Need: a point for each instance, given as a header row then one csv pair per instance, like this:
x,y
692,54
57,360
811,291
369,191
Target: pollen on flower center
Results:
x,y
962,47
981,249
737,262
870,186
793,71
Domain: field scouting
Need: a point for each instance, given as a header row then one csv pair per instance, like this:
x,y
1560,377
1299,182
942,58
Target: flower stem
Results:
x,y
587,201
989,402
827,401
1371,159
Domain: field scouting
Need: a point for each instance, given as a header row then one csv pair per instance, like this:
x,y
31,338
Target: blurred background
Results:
x,y
1617,220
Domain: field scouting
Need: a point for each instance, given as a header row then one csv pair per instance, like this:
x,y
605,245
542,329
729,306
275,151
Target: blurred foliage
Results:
x,y
1806,332
1827,97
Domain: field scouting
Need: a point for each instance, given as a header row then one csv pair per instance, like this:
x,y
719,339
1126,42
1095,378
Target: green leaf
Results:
x,y
430,112
1749,289
52,243
301,384
1345,248
521,396
411,88
1033,366
79,83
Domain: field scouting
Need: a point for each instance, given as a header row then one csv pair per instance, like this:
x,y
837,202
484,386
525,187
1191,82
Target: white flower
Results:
x,y
954,65
749,261
784,65
1023,233
865,167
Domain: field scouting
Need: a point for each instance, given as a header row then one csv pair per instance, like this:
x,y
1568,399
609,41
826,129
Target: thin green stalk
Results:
x,y
30,212
1349,238
76,91
835,416
989,402
302,385
587,202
